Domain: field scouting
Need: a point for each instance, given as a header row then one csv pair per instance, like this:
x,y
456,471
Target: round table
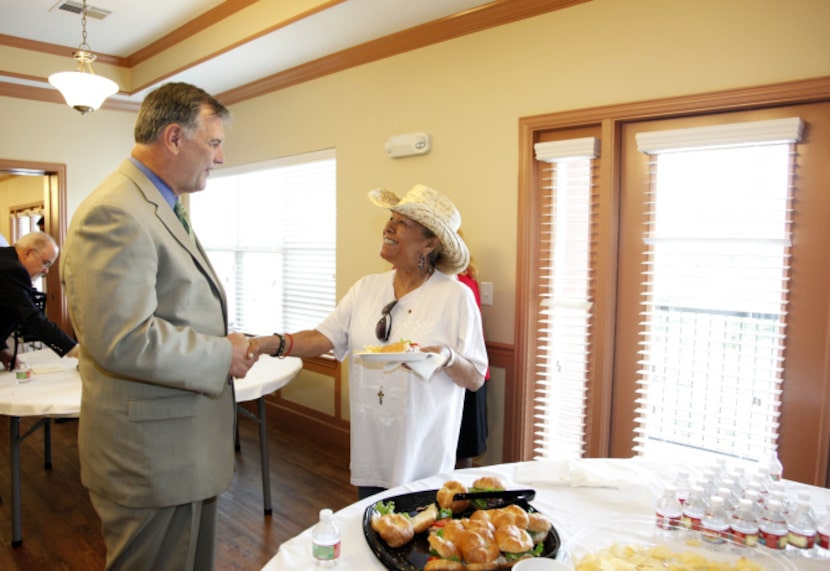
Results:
x,y
54,391
576,495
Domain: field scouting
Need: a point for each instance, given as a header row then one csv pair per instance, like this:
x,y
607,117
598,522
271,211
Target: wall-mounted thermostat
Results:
x,y
408,145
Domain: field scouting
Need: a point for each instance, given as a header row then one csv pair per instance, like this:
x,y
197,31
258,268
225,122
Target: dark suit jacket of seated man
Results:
x,y
30,257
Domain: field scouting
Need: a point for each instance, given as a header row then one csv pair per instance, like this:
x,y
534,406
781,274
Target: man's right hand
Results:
x,y
242,357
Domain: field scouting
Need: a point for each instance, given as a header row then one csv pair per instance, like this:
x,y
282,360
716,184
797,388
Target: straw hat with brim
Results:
x,y
435,211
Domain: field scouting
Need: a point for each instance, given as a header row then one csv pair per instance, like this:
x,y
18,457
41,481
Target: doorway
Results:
x,y
55,222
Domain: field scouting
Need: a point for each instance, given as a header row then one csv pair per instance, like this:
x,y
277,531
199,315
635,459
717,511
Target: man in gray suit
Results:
x,y
156,360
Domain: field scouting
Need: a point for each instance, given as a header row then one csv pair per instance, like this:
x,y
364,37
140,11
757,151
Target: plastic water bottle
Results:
x,y
22,372
773,466
682,486
823,535
801,527
693,509
773,526
325,538
714,527
730,502
668,509
744,524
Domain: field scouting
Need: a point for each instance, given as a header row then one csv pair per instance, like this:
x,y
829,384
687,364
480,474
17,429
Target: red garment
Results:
x,y
466,279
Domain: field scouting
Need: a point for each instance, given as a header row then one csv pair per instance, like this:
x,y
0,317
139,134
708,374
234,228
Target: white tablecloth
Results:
x,y
571,509
55,387
266,376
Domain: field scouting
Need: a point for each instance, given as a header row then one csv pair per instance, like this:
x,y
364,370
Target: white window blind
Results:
x,y
270,232
715,289
563,331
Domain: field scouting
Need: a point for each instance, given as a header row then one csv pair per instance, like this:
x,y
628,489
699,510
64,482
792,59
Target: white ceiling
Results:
x,y
135,24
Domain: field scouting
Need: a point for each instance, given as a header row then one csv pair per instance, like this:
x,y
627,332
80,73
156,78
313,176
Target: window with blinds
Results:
x,y
270,232
563,328
717,251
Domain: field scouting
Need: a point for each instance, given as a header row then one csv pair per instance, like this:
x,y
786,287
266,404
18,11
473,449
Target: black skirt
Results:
x,y
472,440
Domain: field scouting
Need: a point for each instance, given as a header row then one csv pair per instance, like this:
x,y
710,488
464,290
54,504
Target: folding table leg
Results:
x,y
16,438
14,431
263,453
47,444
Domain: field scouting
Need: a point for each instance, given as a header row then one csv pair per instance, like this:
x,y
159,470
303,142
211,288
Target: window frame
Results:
x,y
603,403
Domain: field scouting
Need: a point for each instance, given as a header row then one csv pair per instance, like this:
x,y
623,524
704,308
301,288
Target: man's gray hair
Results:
x,y
176,102
36,240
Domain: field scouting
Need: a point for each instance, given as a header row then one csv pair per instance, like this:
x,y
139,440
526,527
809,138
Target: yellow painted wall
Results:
x,y
469,94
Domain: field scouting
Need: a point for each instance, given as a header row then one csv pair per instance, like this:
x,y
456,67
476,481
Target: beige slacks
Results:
x,y
176,538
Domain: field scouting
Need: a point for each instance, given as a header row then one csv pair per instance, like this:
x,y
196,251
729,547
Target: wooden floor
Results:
x,y
62,532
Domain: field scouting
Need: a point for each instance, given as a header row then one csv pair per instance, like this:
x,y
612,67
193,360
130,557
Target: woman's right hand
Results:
x,y
264,345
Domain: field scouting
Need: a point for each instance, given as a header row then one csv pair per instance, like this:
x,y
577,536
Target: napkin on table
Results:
x,y
584,472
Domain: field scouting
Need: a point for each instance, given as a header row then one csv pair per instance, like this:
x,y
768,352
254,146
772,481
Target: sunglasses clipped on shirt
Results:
x,y
384,327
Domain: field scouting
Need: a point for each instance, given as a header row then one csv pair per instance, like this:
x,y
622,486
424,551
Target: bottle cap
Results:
x,y
326,514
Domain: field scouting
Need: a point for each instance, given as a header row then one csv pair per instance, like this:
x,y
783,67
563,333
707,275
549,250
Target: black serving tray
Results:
x,y
414,555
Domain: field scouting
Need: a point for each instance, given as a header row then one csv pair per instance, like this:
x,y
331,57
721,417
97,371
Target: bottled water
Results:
x,y
773,526
668,510
682,486
801,527
693,509
823,535
730,502
774,468
714,527
325,538
744,524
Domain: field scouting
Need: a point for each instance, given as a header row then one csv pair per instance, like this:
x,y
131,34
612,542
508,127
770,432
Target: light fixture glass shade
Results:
x,y
83,91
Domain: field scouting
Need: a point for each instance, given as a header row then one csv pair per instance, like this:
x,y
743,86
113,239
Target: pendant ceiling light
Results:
x,y
82,89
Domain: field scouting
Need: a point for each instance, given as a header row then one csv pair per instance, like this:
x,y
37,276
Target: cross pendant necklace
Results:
x,y
380,396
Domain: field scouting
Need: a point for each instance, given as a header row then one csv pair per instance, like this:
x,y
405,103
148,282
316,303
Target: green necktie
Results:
x,y
181,214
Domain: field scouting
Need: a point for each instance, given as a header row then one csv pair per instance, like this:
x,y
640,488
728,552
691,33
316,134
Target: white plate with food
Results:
x,y
408,357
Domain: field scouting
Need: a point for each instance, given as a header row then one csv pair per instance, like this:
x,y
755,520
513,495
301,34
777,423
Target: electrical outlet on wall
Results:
x,y
486,291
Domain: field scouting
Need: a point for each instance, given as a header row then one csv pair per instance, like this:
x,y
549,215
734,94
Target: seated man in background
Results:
x,y
29,258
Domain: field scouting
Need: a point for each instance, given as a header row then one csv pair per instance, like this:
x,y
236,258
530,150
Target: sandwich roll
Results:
x,y
513,539
395,529
447,492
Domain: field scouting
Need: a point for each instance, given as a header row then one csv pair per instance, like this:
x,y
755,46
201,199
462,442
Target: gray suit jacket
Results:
x,y
157,409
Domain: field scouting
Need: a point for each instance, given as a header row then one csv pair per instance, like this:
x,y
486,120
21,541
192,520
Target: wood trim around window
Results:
x,y
518,409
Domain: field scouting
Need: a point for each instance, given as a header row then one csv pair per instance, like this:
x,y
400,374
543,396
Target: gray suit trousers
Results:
x,y
176,538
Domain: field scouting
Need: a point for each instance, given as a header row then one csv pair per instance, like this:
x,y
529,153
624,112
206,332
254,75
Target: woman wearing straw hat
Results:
x,y
405,417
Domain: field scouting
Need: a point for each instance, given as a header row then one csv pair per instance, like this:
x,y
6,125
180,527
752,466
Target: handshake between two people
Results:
x,y
247,350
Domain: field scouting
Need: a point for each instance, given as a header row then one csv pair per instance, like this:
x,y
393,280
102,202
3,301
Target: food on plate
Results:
x,y
508,515
394,528
447,493
477,547
402,346
425,518
464,539
513,539
538,526
443,548
488,484
657,558
436,564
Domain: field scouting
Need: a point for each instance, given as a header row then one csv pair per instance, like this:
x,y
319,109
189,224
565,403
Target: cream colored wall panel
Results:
x,y
311,390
